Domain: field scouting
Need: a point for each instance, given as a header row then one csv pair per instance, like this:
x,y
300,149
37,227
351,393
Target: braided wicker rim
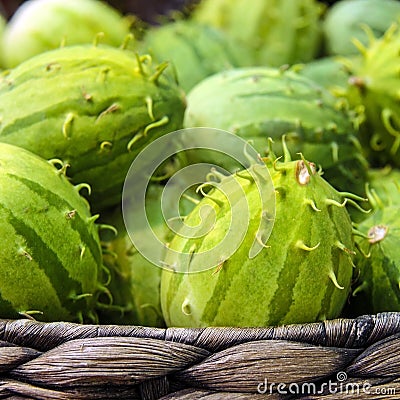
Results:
x,y
359,358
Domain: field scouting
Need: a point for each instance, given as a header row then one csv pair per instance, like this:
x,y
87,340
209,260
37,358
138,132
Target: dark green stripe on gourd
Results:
x,y
259,102
195,50
51,256
92,107
302,275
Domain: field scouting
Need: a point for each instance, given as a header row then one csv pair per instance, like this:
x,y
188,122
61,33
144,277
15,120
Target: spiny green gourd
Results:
x,y
195,50
260,102
276,32
50,258
345,20
374,85
377,288
93,107
41,25
302,273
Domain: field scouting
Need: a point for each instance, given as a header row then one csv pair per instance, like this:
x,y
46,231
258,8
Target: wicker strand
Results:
x,y
71,361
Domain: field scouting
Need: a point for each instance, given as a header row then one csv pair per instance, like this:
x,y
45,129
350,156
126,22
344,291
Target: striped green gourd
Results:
x,y
196,50
275,32
260,102
50,258
42,25
377,288
374,85
94,107
302,274
345,22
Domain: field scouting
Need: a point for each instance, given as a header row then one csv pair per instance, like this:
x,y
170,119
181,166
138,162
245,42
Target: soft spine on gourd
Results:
x,y
302,274
93,107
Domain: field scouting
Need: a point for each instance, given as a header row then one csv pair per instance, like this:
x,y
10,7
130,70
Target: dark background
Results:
x,y
144,9
147,10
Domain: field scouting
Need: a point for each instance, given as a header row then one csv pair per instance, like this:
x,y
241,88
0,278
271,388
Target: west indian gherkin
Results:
x,y
345,21
260,102
377,288
276,32
41,25
93,107
195,50
50,259
301,274
374,85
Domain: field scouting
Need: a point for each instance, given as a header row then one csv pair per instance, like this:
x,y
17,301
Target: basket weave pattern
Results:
x,y
72,361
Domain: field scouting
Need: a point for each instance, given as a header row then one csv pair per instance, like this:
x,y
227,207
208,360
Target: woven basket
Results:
x,y
343,358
